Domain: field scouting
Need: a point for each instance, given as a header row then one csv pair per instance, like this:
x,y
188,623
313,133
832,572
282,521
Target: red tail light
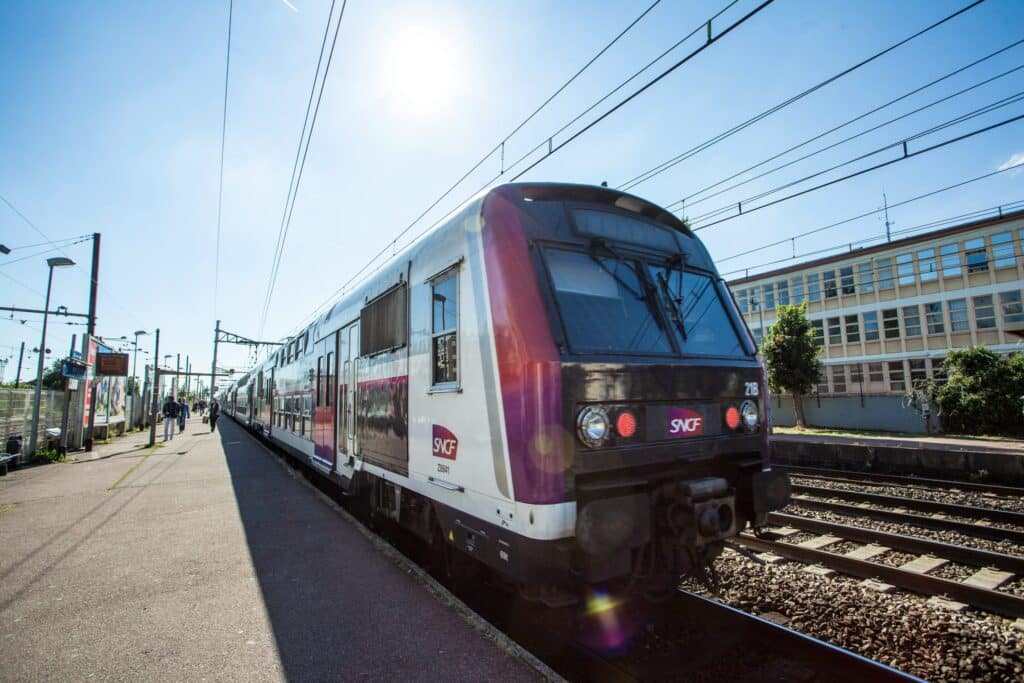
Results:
x,y
732,417
625,424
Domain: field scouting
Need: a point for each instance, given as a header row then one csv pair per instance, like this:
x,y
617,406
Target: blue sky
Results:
x,y
110,121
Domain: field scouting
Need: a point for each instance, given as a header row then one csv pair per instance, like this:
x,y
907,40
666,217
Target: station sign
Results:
x,y
74,369
111,364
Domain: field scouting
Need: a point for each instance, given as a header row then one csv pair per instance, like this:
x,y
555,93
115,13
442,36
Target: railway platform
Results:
x,y
205,558
993,461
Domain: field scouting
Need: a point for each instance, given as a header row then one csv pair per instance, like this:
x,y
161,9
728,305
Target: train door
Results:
x,y
348,375
324,430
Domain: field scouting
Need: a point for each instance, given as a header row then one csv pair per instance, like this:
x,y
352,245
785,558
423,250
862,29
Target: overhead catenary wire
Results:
x,y
872,212
686,201
57,247
978,214
906,155
548,140
289,209
693,151
223,140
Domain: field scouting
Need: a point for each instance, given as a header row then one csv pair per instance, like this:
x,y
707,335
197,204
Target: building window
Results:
x,y
846,280
813,288
958,320
896,376
782,292
822,382
912,321
830,284
852,329
865,277
905,269
984,312
743,301
1011,305
1002,250
918,372
933,318
835,332
871,326
444,327
856,373
891,323
758,334
839,379
875,372
950,260
767,297
796,288
819,332
926,265
977,257
884,268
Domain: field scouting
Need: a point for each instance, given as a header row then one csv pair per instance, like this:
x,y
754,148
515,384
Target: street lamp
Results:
x,y
135,378
56,262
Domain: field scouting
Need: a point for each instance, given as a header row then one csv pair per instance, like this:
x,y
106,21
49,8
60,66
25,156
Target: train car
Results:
x,y
554,383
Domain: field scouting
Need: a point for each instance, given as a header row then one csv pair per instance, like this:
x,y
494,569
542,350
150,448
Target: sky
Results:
x,y
111,113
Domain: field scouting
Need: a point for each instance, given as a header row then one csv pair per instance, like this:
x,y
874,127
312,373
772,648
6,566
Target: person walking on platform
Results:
x,y
214,413
183,414
170,417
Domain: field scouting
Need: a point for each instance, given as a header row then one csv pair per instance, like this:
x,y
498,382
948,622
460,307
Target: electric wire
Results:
x,y
674,161
685,201
704,25
223,140
872,212
302,165
991,212
57,247
906,155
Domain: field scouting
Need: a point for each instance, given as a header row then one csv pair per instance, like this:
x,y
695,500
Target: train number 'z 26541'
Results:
x,y
554,383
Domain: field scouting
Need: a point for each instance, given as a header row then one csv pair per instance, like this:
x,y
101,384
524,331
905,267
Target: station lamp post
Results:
x,y
56,262
135,378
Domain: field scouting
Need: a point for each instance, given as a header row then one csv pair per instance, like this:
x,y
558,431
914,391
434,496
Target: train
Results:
x,y
554,385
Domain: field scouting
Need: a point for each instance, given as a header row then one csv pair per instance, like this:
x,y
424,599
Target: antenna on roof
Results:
x,y
888,224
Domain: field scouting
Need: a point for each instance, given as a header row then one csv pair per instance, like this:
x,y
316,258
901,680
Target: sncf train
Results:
x,y
555,383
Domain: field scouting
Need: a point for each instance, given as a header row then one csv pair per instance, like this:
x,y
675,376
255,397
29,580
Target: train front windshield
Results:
x,y
622,306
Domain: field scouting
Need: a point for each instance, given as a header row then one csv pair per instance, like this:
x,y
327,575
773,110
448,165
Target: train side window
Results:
x,y
383,323
329,380
444,328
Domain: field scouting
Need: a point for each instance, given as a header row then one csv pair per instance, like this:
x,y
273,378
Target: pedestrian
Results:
x,y
214,413
202,407
170,416
183,414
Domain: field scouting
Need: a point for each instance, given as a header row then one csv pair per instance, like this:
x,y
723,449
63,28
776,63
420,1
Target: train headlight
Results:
x,y
748,411
592,426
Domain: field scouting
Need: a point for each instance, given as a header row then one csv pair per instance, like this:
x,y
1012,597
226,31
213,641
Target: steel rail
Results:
x,y
969,511
976,530
907,544
1005,604
895,479
831,662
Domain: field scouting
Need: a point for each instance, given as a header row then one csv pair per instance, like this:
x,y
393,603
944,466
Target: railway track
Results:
x,y
862,478
722,643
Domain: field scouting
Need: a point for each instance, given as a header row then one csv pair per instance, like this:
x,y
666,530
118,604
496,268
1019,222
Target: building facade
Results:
x,y
886,315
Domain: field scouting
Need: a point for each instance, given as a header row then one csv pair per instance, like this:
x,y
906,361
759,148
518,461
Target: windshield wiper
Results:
x,y
675,301
648,294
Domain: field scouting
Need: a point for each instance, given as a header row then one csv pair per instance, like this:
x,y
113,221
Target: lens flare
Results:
x,y
609,623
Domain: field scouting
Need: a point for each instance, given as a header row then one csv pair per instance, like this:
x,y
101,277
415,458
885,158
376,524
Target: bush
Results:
x,y
49,454
982,393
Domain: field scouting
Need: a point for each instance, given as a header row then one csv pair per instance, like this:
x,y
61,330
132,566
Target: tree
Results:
x,y
791,355
982,392
52,378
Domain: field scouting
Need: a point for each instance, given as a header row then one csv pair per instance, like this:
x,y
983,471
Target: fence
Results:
x,y
16,413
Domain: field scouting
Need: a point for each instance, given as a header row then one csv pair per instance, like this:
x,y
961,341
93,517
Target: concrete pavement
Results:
x,y
204,559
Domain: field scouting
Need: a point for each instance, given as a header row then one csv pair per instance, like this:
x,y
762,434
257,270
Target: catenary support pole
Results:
x,y
21,357
34,435
94,281
213,366
156,389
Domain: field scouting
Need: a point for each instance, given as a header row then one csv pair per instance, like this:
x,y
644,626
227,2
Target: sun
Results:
x,y
421,70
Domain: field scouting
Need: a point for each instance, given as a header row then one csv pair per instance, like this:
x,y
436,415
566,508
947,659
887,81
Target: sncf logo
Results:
x,y
446,444
684,422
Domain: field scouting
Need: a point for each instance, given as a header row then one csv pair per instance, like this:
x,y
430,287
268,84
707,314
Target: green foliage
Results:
x,y
52,379
50,454
790,352
982,392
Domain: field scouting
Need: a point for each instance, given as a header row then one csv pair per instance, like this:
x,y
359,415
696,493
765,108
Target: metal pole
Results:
x,y
145,391
94,279
213,366
67,405
21,357
135,380
188,369
177,371
33,437
156,392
